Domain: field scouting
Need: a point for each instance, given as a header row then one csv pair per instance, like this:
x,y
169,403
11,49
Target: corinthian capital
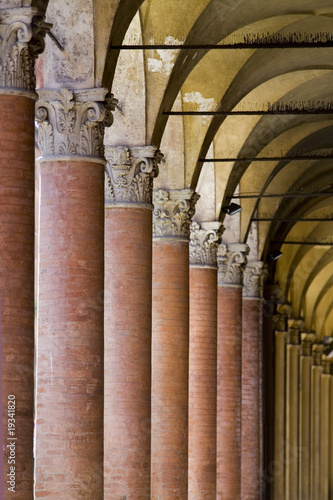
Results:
x,y
254,275
173,212
317,352
307,339
72,122
22,33
231,261
283,312
205,239
129,174
295,327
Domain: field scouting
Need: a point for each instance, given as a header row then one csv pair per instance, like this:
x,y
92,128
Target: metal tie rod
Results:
x,y
267,158
272,45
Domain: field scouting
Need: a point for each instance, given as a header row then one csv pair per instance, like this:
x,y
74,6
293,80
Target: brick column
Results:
x,y
231,262
276,468
251,380
316,372
293,351
331,437
127,320
307,340
69,424
173,211
21,34
325,430
202,360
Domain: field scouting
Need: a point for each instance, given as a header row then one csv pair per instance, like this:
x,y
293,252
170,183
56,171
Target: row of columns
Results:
x,y
138,394
303,458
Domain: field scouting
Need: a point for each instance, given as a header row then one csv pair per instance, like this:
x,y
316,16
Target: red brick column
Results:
x,y
231,260
293,351
251,413
276,473
17,103
170,344
202,360
17,282
127,323
69,416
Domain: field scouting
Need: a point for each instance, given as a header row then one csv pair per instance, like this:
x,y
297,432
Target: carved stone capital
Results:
x,y
281,318
72,122
273,295
231,261
326,362
307,339
255,273
205,239
317,351
295,327
129,174
173,212
22,32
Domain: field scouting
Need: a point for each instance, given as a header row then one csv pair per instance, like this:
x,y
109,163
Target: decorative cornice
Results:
x,y
307,339
255,273
295,327
72,122
231,261
22,33
173,212
205,239
281,318
129,174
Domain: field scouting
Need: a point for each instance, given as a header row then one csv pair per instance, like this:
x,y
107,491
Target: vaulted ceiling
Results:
x,y
293,75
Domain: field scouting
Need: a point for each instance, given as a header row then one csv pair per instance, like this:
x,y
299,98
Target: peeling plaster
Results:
x,y
201,102
167,58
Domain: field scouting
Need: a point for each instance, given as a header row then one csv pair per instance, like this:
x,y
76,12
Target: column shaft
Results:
x,y
127,330
250,481
292,392
325,430
228,460
202,383
17,282
316,372
280,405
261,402
69,426
330,496
170,351
304,424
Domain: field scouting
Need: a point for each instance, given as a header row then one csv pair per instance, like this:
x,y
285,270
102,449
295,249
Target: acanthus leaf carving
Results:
x,y
204,242
22,33
307,339
173,212
231,261
317,352
283,312
295,327
129,173
72,122
254,275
